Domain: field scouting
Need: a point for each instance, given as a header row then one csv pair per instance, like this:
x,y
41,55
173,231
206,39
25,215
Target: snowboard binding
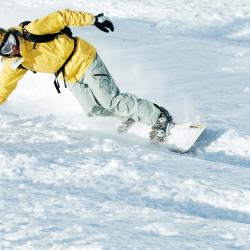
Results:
x,y
161,129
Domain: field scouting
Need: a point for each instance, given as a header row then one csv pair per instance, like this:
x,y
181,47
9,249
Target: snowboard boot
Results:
x,y
160,130
124,126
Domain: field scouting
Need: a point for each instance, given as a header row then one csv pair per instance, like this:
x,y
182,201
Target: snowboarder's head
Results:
x,y
8,43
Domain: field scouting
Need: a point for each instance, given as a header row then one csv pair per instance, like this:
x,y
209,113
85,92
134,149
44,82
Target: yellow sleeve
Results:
x,y
56,21
9,79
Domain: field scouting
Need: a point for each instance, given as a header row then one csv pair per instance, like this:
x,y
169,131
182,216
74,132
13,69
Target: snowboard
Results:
x,y
183,136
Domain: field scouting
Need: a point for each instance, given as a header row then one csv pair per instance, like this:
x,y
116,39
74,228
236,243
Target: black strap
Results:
x,y
22,67
44,38
62,68
57,85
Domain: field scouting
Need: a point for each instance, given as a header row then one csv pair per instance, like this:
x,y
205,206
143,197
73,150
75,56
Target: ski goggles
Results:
x,y
8,44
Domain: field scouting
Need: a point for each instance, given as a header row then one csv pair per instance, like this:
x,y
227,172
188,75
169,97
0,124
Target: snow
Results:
x,y
240,147
70,182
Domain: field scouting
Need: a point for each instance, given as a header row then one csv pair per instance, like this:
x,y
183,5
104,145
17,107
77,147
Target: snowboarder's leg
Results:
x,y
123,105
86,99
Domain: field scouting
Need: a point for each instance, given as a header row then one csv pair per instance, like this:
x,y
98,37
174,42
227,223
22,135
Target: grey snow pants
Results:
x,y
98,95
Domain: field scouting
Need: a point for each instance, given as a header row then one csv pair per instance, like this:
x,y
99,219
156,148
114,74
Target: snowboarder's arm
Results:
x,y
56,21
9,79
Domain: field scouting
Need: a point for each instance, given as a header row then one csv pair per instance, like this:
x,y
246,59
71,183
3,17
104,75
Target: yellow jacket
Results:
x,y
49,57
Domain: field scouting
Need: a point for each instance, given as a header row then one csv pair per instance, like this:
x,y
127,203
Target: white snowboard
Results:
x,y
183,136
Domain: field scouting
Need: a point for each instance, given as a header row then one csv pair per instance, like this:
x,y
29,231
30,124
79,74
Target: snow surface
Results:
x,y
70,182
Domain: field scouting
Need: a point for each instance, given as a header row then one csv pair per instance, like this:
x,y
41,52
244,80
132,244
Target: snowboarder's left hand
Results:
x,y
103,23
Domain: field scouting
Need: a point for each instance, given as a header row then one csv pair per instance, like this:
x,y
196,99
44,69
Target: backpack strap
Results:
x,y
47,37
44,38
22,67
62,68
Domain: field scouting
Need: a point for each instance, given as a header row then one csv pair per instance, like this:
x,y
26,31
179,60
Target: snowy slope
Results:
x,y
68,183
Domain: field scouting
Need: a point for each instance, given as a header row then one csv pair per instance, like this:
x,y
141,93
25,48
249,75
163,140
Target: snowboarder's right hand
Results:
x,y
103,23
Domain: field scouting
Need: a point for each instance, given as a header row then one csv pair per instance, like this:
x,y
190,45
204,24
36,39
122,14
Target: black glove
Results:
x,y
103,23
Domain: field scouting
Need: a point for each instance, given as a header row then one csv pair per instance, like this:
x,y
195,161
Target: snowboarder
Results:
x,y
47,45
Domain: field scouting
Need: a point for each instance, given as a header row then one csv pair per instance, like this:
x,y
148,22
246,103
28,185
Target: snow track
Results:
x,y
76,188
71,182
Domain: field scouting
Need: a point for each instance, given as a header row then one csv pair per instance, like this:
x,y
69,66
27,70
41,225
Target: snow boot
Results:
x,y
124,126
161,128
